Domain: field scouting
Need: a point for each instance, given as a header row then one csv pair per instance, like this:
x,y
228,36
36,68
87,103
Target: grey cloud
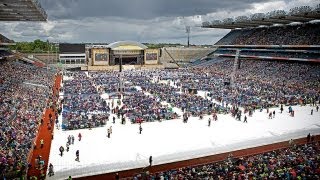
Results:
x,y
139,9
151,21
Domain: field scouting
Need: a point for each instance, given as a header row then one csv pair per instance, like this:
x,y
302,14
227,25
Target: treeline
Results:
x,y
37,46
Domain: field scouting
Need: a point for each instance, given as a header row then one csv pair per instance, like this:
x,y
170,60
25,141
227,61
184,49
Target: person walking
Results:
x,y
209,122
311,111
245,119
140,129
77,156
317,108
51,172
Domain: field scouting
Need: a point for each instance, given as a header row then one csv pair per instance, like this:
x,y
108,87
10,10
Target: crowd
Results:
x,y
83,106
296,162
281,54
138,106
24,90
261,83
151,95
305,34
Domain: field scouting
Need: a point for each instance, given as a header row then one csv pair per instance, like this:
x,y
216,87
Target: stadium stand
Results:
x,y
4,39
295,162
305,34
24,91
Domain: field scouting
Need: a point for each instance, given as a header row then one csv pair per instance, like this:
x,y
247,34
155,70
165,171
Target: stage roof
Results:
x,y
301,14
21,10
127,45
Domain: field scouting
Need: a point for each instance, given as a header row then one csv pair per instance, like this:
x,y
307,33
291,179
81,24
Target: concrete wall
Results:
x,y
50,58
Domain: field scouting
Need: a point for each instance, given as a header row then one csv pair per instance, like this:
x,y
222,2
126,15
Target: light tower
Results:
x,y
188,33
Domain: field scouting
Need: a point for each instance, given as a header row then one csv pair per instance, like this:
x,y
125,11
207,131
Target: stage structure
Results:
x,y
131,54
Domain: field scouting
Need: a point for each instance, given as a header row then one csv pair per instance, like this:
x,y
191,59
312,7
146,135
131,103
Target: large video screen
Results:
x,y
72,48
101,57
151,56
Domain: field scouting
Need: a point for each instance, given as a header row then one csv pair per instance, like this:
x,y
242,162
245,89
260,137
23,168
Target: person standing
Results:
x,y
79,136
317,108
281,108
72,139
308,138
150,161
61,149
113,119
41,143
109,132
274,113
67,145
140,129
117,176
311,111
209,122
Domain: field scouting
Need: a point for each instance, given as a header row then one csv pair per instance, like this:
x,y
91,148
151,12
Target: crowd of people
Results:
x,y
295,162
276,53
83,107
261,83
25,90
304,34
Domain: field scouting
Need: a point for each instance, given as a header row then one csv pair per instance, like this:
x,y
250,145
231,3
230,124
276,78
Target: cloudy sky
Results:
x,y
152,21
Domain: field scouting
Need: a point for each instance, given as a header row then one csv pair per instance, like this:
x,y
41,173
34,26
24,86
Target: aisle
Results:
x,y
44,134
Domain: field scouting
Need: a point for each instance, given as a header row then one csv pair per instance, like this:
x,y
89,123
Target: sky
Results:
x,y
146,21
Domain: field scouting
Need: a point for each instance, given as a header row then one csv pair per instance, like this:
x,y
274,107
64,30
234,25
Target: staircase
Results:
x,y
234,69
175,62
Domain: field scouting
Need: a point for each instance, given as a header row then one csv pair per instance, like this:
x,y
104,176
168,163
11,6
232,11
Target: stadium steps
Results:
x,y
209,62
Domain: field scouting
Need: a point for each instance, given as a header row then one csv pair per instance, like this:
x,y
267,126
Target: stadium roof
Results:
x,y
21,10
301,14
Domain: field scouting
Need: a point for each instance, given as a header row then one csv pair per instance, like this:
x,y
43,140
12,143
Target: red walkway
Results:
x,y
45,134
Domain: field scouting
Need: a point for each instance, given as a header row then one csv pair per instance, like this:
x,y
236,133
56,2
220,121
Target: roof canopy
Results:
x,y
302,14
127,45
21,10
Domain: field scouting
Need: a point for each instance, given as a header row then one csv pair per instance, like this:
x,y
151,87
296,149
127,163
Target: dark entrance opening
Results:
x,y
127,61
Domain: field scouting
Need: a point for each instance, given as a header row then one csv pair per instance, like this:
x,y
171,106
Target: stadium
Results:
x,y
244,107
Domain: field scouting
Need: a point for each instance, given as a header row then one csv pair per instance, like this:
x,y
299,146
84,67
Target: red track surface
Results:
x,y
44,134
